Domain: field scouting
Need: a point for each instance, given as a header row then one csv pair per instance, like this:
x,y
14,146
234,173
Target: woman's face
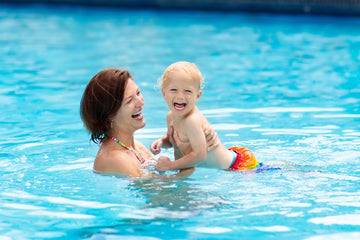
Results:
x,y
129,117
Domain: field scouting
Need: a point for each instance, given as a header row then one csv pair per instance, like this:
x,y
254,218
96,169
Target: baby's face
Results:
x,y
181,92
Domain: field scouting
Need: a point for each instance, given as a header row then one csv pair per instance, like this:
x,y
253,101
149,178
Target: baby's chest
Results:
x,y
180,130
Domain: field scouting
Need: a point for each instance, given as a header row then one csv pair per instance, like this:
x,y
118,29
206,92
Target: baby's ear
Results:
x,y
198,96
163,92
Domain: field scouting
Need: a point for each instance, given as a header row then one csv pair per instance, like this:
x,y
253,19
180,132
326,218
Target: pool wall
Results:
x,y
326,7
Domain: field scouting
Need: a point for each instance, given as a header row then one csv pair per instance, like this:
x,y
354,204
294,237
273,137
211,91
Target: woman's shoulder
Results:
x,y
115,161
105,157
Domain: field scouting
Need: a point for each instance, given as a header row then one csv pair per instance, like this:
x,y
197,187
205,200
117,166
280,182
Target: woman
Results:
x,y
111,109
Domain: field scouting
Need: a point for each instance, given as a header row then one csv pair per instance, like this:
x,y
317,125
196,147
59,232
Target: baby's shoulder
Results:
x,y
169,116
196,118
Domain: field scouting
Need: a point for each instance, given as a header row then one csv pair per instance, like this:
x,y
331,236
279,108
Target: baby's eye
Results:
x,y
173,90
188,91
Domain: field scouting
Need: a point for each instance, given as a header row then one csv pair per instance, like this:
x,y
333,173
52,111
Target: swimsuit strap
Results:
x,y
136,153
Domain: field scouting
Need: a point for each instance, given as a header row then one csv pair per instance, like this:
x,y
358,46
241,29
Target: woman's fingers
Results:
x,y
212,140
208,133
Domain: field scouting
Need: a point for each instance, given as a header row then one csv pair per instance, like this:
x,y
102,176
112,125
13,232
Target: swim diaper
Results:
x,y
245,159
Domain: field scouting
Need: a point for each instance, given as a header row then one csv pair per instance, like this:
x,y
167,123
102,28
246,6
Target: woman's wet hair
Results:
x,y
101,100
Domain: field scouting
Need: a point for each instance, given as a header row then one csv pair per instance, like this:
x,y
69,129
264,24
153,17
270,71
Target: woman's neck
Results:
x,y
125,137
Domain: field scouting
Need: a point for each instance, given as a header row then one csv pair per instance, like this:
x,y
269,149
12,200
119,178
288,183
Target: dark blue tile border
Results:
x,y
324,7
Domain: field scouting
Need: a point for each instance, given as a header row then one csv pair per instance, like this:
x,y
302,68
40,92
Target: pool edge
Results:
x,y
319,7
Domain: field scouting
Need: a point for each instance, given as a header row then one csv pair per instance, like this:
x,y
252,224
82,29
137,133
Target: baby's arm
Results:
x,y
164,141
195,134
161,142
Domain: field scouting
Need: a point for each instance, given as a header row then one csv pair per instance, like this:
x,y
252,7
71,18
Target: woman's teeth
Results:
x,y
138,116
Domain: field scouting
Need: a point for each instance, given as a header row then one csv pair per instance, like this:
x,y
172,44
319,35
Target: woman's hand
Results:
x,y
212,141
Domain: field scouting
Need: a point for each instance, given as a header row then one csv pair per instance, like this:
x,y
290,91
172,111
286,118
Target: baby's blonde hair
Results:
x,y
187,67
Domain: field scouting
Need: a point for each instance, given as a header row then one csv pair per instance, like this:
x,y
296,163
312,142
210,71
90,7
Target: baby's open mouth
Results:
x,y
179,106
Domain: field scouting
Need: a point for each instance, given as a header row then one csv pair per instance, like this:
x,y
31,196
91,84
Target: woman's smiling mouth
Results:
x,y
138,116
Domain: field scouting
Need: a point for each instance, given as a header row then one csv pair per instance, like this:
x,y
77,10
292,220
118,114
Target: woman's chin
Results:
x,y
141,123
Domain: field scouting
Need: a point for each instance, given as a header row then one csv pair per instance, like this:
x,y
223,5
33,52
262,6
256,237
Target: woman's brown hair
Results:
x,y
101,100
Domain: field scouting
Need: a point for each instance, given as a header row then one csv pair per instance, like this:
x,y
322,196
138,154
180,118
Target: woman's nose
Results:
x,y
140,100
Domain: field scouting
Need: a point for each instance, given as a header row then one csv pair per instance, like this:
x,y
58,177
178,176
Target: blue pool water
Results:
x,y
286,87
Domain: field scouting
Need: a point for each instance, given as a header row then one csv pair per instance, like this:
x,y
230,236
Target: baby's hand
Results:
x,y
155,146
164,163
